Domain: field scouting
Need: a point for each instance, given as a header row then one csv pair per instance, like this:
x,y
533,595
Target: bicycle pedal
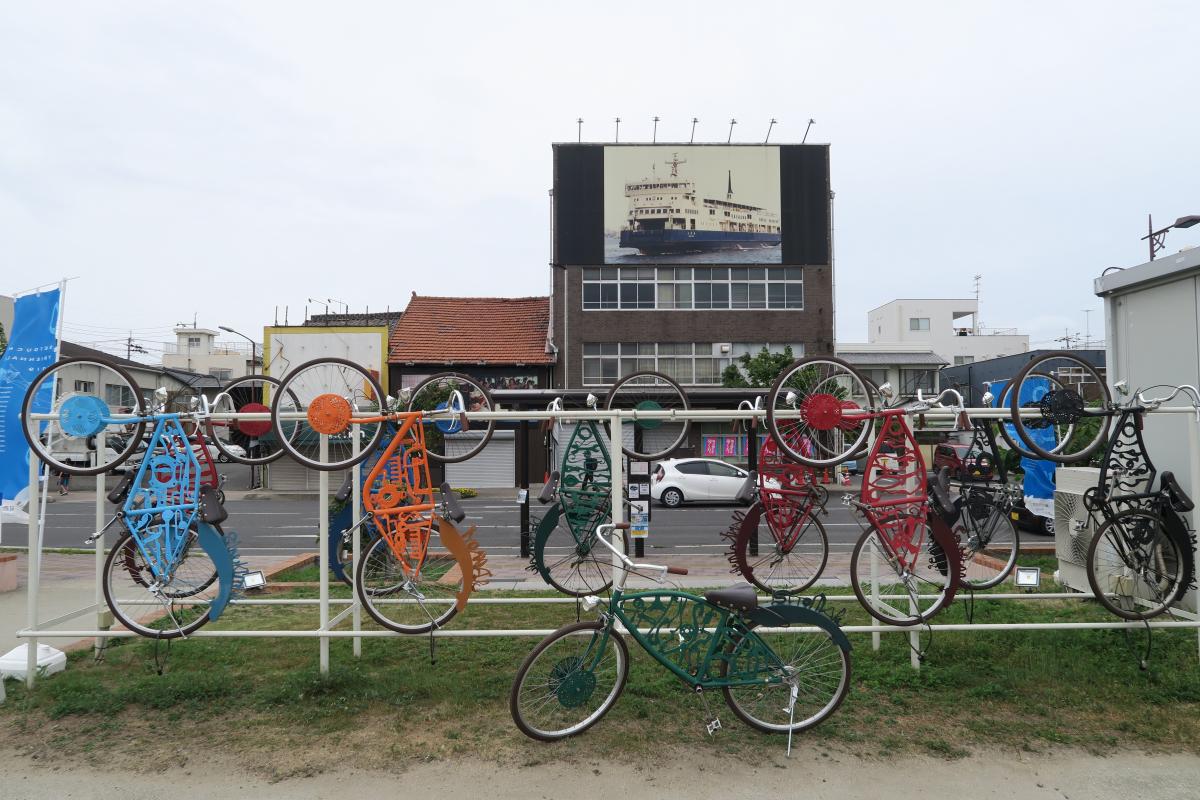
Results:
x,y
713,726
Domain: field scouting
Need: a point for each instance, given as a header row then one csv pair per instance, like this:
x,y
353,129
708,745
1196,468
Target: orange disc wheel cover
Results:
x,y
329,414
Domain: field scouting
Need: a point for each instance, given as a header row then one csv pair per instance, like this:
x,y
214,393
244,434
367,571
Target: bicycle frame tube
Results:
x,y
894,491
399,493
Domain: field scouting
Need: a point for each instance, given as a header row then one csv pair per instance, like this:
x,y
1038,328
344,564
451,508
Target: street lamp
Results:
x,y
253,345
1158,238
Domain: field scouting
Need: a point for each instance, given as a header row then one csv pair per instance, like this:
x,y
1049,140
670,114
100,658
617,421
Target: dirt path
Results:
x,y
807,774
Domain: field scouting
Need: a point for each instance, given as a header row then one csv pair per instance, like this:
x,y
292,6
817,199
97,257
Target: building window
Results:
x,y
193,341
86,387
876,375
912,380
221,374
918,323
959,360
706,288
118,396
689,363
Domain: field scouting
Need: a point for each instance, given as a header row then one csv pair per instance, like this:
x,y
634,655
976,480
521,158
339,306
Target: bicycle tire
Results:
x,y
815,657
381,579
1073,404
359,392
1012,441
823,427
1165,548
239,396
193,591
648,399
477,395
564,683
938,553
576,573
62,402
776,579
981,535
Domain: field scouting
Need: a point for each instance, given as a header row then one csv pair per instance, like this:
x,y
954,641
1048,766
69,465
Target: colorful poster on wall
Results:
x,y
731,446
710,445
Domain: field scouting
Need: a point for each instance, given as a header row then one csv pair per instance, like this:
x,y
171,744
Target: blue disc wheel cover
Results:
x,y
82,415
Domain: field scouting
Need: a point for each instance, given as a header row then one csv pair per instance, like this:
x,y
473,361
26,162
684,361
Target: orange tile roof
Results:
x,y
470,330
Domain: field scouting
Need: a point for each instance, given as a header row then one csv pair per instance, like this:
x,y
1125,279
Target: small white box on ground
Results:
x,y
49,661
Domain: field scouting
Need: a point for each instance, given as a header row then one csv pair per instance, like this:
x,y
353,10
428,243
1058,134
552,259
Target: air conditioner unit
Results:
x,y
1074,529
1073,526
724,347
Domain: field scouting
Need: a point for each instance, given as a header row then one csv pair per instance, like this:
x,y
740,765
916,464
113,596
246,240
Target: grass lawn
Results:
x,y
263,702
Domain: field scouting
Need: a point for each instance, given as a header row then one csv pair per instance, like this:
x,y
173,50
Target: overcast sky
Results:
x,y
221,160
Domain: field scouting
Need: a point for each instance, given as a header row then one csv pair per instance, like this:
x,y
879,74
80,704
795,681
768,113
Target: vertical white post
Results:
x,y
1194,469
35,568
99,596
618,482
355,510
323,549
914,637
875,635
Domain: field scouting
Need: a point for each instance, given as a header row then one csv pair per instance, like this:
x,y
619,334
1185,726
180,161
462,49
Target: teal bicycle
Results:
x,y
777,682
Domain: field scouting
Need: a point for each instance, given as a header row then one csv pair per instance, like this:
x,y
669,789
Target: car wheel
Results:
x,y
672,498
1048,526
224,459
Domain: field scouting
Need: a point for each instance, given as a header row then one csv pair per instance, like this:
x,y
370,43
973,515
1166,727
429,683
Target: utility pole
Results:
x,y
132,347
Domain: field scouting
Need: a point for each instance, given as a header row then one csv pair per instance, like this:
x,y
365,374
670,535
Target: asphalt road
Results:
x,y
285,527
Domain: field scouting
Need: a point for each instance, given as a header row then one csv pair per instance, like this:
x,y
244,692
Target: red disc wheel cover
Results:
x,y
254,428
823,412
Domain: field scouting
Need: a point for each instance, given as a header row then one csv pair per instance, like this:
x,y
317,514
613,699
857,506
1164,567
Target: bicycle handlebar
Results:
x,y
1185,388
938,400
601,535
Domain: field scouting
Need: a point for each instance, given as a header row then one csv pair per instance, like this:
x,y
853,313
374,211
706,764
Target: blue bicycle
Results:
x,y
173,569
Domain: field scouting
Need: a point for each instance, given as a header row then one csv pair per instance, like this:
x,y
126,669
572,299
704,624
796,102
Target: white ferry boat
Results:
x,y
667,217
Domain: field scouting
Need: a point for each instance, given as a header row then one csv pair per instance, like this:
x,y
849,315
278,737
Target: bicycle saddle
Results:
x,y
939,490
455,508
736,598
121,490
746,493
211,510
343,493
1175,494
547,493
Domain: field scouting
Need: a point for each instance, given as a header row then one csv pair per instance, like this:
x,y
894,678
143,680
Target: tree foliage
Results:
x,y
758,371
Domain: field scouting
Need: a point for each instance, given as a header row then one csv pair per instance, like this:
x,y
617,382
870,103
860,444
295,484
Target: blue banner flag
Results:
x,y
1039,473
32,346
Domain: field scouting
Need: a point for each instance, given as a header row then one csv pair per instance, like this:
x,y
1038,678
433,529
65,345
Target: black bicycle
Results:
x,y
1141,558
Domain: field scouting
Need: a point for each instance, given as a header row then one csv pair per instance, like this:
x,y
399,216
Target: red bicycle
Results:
x,y
821,412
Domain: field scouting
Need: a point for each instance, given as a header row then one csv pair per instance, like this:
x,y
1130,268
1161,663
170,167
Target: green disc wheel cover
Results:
x,y
571,684
585,483
649,424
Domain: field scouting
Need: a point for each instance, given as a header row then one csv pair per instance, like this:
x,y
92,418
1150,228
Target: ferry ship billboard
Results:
x,y
673,204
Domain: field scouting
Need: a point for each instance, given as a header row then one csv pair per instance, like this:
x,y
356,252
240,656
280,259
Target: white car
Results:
x,y
680,480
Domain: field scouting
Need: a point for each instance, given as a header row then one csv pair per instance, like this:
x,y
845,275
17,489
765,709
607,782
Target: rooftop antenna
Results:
x,y
1087,328
694,121
729,139
769,127
978,324
285,310
617,133
654,136
315,301
579,134
345,305
276,316
811,122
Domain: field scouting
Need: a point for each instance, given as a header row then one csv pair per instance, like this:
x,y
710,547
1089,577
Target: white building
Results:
x,y
906,367
196,350
950,328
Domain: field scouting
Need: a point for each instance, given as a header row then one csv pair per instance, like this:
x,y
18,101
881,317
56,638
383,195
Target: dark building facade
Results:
x,y
972,380
616,310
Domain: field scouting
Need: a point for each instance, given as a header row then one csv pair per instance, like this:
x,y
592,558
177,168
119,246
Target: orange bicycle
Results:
x,y
420,570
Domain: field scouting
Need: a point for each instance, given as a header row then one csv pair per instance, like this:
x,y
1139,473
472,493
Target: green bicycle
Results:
x,y
774,681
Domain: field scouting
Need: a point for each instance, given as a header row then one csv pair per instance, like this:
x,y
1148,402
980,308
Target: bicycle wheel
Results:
x,y
1010,439
573,568
569,681
1136,568
905,596
649,439
76,393
1061,386
812,663
330,392
446,439
989,532
413,600
810,411
167,610
780,569
249,441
